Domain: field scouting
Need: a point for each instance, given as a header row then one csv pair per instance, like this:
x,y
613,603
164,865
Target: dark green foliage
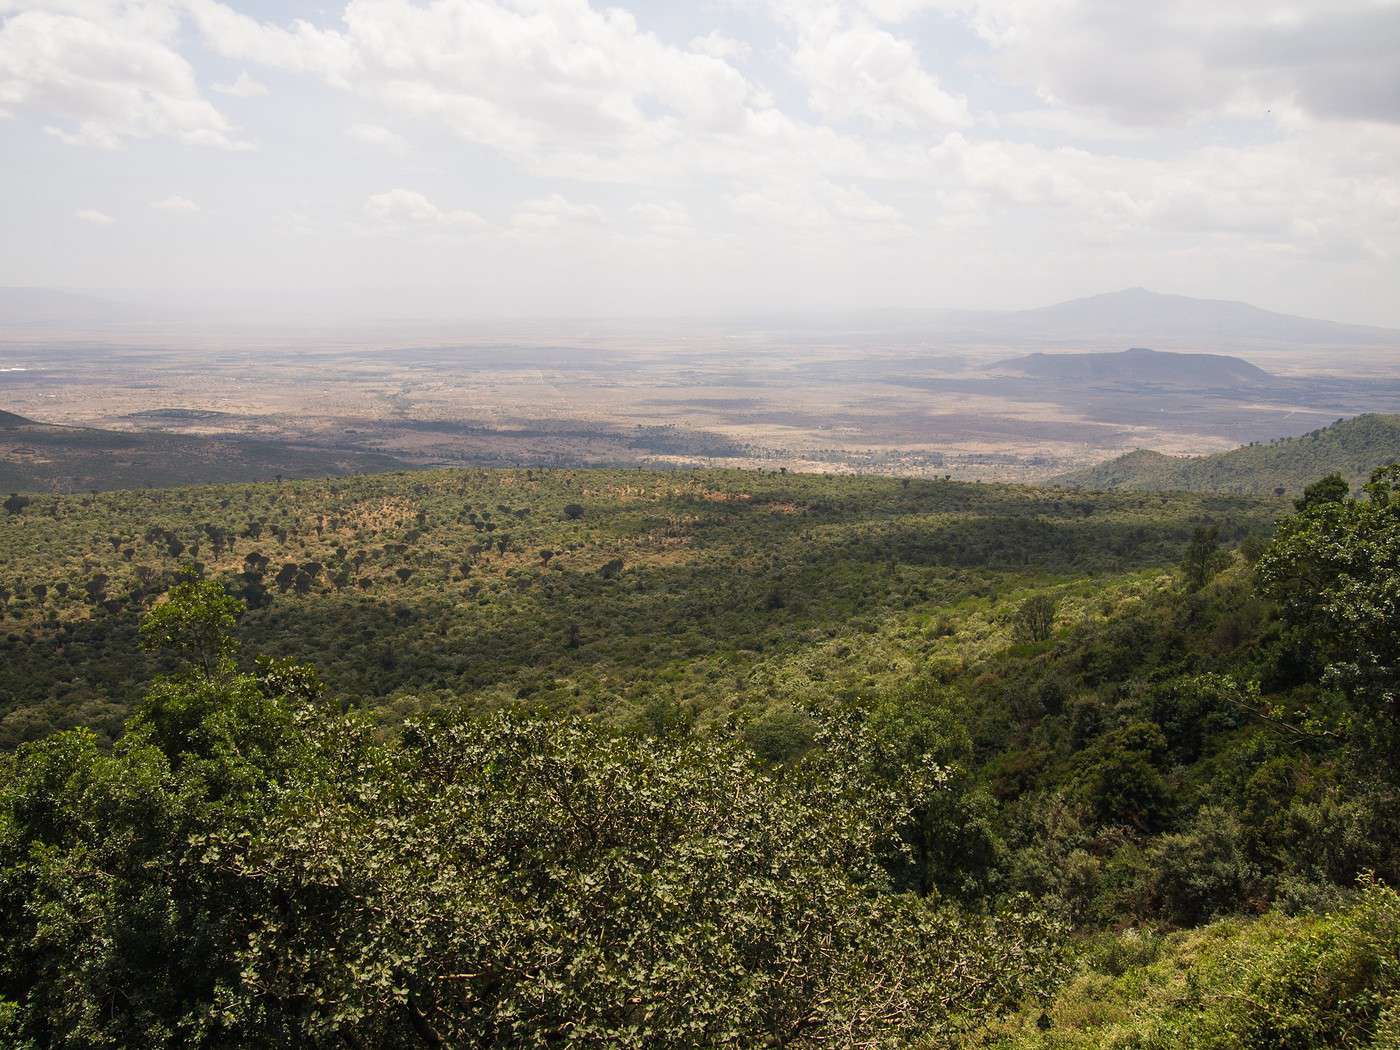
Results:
x,y
1351,448
1331,489
1203,558
684,581
1119,777
1330,981
1034,620
727,759
1334,569
114,931
247,868
195,623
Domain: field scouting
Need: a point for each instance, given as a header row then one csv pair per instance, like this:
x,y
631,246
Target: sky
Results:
x,y
697,157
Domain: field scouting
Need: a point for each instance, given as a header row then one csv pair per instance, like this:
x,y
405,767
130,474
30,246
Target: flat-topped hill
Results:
x,y
1140,366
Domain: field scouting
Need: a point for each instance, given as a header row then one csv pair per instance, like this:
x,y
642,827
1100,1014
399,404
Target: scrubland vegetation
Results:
x,y
716,596
1350,447
712,758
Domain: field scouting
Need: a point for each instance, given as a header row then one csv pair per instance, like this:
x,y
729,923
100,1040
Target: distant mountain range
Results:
x,y
35,456
1350,447
1136,314
1132,317
1140,366
1138,317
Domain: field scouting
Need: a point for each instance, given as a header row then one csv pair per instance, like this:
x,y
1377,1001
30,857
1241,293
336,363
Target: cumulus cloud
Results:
x,y
1281,195
555,212
669,213
408,210
301,47
1166,63
722,46
243,86
175,203
107,73
821,209
92,215
867,73
374,135
517,77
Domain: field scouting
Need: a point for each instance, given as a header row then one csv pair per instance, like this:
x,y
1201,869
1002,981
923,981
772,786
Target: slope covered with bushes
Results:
x,y
882,765
1350,447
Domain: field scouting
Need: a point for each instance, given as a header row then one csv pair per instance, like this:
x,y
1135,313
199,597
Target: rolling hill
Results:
x,y
1140,366
1351,447
36,456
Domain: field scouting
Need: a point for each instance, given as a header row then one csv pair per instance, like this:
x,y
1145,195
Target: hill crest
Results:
x,y
1350,447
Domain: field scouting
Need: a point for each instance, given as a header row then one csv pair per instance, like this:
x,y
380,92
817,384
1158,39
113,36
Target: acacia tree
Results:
x,y
195,622
1034,618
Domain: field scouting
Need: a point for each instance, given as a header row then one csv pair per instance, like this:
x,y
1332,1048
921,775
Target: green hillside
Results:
x,y
716,591
709,758
1350,447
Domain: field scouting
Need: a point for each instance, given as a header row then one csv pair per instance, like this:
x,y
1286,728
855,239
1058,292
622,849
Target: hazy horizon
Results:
x,y
559,158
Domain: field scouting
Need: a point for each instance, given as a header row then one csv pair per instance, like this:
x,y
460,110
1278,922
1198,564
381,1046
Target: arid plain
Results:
x,y
833,398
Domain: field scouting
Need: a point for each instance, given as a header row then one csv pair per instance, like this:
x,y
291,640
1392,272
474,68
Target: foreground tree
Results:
x,y
1331,489
1335,568
195,623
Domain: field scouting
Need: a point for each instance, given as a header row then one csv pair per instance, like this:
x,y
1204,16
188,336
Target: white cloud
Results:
x,y
553,213
1286,196
820,209
867,73
176,203
374,135
722,46
516,77
111,73
663,224
92,215
303,47
408,210
560,87
243,87
1166,63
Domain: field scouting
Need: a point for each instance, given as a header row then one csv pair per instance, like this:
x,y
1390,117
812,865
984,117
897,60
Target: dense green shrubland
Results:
x,y
727,594
866,760
250,867
1280,982
1349,447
